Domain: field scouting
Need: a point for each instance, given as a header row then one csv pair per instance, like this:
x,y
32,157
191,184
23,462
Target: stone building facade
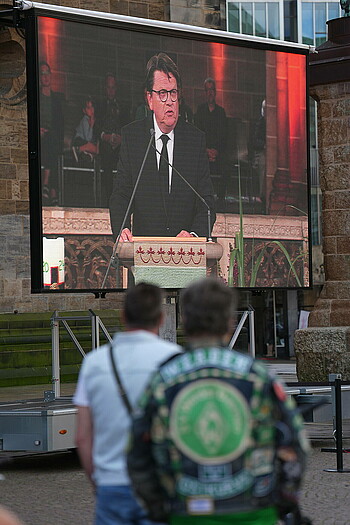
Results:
x,y
324,347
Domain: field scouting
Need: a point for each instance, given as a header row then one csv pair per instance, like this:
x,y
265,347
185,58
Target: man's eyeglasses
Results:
x,y
163,94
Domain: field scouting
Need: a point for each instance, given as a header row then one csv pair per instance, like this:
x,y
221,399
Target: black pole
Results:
x,y
338,424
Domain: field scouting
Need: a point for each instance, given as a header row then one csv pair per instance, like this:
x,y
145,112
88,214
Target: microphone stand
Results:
x,y
192,188
114,257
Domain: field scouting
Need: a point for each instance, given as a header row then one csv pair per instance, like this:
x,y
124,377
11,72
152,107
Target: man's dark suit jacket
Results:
x,y
156,214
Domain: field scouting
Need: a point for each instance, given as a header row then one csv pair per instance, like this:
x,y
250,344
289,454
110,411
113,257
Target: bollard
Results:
x,y
336,378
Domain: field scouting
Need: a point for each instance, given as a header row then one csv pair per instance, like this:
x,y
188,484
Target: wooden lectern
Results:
x,y
169,262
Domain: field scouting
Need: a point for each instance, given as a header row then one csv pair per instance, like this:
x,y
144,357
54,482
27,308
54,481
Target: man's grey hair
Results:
x,y
207,307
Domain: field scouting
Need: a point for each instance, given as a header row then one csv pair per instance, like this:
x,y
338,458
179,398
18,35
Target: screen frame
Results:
x,y
143,26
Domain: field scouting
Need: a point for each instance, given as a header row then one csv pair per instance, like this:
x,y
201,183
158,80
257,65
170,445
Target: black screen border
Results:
x,y
143,26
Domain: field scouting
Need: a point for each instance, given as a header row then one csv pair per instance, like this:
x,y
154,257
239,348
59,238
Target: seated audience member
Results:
x,y
85,142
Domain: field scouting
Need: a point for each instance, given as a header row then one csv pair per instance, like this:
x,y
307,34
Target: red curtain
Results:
x,y
217,62
50,36
291,114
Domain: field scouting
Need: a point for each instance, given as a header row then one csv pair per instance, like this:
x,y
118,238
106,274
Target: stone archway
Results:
x,y
13,68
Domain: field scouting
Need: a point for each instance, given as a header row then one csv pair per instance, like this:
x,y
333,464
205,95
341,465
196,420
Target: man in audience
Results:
x,y
105,402
211,118
215,439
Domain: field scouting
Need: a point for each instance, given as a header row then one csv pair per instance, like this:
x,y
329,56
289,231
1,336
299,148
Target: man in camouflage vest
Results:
x,y
215,439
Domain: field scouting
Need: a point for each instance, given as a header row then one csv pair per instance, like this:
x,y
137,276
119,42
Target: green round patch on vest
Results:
x,y
210,422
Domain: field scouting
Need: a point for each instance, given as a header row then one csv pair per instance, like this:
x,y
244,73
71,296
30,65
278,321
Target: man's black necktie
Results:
x,y
163,172
164,167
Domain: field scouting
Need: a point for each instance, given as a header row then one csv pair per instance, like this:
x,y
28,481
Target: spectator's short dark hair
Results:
x,y
110,74
86,100
44,63
161,62
207,306
143,306
210,80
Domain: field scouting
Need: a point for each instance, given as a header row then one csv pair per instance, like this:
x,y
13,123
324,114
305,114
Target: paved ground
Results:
x,y
52,489
325,495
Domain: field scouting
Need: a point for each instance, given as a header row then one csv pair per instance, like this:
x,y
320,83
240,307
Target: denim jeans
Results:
x,y
116,505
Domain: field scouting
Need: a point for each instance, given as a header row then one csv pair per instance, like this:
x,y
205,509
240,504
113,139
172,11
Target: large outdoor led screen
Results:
x,y
103,94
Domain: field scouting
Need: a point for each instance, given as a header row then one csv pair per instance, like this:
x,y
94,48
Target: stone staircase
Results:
x,y
25,345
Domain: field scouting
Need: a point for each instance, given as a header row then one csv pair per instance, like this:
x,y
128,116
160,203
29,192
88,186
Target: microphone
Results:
x,y
191,188
114,257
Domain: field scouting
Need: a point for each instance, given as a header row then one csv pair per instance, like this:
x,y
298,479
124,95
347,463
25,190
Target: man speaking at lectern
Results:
x,y
163,206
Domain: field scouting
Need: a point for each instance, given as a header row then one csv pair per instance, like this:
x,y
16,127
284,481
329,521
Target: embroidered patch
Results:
x,y
210,422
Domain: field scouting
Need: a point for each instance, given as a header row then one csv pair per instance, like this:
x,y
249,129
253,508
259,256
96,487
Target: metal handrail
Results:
x,y
247,314
96,326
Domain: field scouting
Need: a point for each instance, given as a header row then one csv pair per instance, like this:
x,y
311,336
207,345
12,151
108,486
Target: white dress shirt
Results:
x,y
159,146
